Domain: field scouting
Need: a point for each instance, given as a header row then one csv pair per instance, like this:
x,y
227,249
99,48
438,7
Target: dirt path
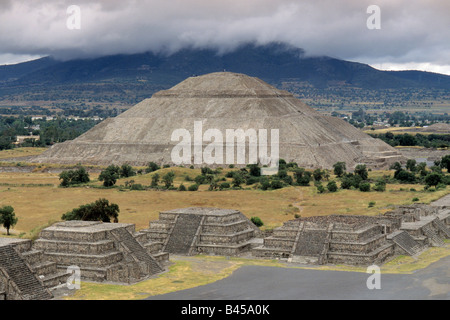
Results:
x,y
298,204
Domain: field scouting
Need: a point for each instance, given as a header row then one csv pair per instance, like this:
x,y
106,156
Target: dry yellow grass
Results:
x,y
21,152
35,206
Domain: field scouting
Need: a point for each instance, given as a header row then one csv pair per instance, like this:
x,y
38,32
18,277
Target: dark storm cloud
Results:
x,y
411,31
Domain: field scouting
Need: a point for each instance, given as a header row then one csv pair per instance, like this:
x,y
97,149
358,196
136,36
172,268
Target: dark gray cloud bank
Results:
x,y
413,34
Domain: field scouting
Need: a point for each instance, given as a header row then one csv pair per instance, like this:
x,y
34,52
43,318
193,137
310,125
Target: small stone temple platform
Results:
x,y
103,251
24,273
358,240
197,230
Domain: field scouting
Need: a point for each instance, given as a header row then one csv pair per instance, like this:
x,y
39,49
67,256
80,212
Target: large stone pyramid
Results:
x,y
222,101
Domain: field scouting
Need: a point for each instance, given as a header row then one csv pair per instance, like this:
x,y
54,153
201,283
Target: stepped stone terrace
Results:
x,y
199,230
115,252
25,274
112,252
358,240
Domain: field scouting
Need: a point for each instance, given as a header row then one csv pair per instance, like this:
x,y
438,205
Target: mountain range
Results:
x,y
140,75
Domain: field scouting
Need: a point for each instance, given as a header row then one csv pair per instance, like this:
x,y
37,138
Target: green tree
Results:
x,y
99,210
237,180
380,185
339,168
257,221
302,177
411,165
109,176
155,180
8,218
433,179
332,186
72,177
364,186
445,162
167,179
126,171
152,167
361,171
255,170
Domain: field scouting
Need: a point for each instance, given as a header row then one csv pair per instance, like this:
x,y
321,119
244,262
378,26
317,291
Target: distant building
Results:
x,y
21,139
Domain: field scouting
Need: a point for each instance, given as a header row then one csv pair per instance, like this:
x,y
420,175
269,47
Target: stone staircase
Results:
x,y
332,239
102,251
404,240
46,270
202,230
442,227
183,233
432,235
19,272
136,249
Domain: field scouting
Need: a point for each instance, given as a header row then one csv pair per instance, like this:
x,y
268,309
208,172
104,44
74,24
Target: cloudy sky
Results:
x,y
413,34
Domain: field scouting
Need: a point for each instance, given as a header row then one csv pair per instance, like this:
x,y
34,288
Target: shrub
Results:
x,y
257,221
372,204
364,186
109,176
137,186
339,168
405,176
302,176
264,184
167,179
251,180
332,186
318,175
320,188
155,180
152,167
237,180
380,185
72,177
126,171
201,179
206,170
255,170
224,185
193,187
433,179
415,199
276,184
361,171
182,188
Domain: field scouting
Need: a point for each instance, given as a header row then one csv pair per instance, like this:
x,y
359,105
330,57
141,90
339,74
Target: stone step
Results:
x,y
271,253
224,250
17,269
183,233
376,256
99,260
208,238
44,268
32,257
65,246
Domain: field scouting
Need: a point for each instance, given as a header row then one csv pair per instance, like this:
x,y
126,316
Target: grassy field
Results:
x,y
38,200
20,152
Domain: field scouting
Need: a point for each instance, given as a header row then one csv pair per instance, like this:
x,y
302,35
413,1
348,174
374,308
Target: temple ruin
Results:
x,y
212,231
115,252
358,240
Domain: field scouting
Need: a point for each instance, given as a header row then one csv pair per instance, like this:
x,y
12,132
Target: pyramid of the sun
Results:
x,y
222,101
